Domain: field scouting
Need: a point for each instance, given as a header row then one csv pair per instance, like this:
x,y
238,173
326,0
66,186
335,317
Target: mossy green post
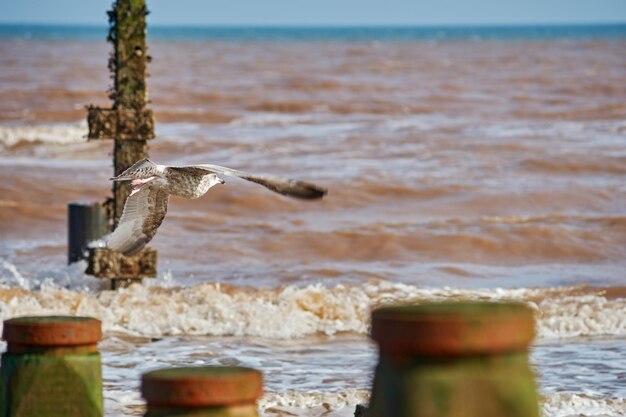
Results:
x,y
459,360
39,385
483,386
51,368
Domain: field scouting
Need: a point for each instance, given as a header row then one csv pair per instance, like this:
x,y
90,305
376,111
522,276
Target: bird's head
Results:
x,y
214,179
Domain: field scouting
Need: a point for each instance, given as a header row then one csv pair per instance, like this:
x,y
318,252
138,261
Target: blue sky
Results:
x,y
325,12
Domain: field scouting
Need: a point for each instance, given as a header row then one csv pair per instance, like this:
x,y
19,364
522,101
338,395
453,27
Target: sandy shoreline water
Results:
x,y
457,169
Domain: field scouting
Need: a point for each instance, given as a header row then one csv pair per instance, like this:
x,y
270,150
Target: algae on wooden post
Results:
x,y
130,124
39,385
127,63
51,367
454,359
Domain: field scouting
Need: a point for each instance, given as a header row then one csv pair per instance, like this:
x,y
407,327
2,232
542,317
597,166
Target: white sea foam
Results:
x,y
581,315
271,119
57,134
312,403
574,405
287,312
10,276
343,404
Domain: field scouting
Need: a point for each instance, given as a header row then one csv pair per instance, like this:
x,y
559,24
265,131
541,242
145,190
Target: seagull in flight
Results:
x,y
152,185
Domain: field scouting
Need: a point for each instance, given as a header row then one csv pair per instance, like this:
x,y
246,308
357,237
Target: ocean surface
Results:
x,y
462,163
324,33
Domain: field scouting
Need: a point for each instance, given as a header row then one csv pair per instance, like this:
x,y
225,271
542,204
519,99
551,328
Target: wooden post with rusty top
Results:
x,y
130,124
207,391
454,359
51,367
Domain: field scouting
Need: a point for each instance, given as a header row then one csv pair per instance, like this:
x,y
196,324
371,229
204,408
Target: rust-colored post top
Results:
x,y
52,331
449,329
205,386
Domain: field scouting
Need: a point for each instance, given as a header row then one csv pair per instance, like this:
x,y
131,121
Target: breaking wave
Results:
x,y
12,137
161,309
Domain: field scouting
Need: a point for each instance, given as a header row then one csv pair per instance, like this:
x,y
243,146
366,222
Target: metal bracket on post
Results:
x,y
86,222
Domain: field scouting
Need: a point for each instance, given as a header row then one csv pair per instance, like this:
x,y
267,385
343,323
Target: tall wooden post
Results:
x,y
130,124
128,65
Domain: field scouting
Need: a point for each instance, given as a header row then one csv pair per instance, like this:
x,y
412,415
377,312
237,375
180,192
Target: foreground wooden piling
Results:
x,y
464,359
51,368
207,391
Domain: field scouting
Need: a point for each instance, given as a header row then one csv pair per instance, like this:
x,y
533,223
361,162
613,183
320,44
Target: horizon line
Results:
x,y
322,26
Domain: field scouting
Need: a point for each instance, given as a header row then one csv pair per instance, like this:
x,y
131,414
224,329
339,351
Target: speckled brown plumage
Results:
x,y
152,184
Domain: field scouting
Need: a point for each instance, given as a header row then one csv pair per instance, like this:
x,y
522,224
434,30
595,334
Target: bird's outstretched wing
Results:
x,y
285,186
143,168
143,213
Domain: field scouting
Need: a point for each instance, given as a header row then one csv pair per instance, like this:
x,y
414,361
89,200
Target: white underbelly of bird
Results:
x,y
152,184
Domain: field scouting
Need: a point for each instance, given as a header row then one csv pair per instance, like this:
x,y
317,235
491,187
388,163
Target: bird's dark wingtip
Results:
x,y
320,193
308,191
